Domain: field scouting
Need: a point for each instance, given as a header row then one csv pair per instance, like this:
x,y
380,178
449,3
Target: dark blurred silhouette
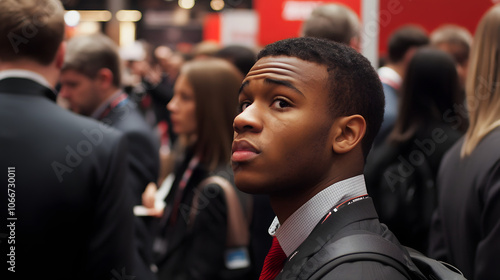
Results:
x,y
242,57
401,172
466,227
401,46
70,214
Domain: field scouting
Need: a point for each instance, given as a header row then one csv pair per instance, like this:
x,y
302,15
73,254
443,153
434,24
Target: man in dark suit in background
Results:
x,y
65,211
90,82
310,111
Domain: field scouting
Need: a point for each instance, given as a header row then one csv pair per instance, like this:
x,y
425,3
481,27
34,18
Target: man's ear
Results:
x,y
355,43
61,51
348,133
105,77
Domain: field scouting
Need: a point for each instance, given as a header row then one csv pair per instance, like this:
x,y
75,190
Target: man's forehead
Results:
x,y
285,62
287,67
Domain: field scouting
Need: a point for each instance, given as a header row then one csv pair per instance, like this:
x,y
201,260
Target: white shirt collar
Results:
x,y
390,76
21,73
302,222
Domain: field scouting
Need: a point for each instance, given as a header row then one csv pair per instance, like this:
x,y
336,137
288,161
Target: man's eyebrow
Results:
x,y
243,86
274,82
282,83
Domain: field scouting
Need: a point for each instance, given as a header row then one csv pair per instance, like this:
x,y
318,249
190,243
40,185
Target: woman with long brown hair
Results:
x,y
195,237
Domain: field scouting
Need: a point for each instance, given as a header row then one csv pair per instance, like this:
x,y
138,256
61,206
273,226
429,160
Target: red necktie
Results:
x,y
273,264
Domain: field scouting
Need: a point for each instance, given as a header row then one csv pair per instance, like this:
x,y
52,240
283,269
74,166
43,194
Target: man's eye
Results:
x,y
281,103
244,105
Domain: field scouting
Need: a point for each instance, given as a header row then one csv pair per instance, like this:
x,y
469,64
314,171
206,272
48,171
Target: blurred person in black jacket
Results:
x,y
71,212
91,83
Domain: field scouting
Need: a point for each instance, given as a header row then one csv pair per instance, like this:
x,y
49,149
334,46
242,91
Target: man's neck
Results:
x,y
292,232
107,98
285,203
49,72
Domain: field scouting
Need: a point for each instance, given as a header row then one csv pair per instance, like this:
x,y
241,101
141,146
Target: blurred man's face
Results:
x,y
282,136
80,91
461,56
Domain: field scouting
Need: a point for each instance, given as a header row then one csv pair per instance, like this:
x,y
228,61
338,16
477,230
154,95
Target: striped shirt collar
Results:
x,y
302,222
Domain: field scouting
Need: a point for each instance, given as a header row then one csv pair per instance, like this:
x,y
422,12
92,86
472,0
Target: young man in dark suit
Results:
x,y
65,212
310,109
90,82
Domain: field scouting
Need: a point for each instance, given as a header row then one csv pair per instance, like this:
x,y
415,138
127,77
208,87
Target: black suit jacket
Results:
x,y
313,253
73,215
466,227
143,162
194,250
143,145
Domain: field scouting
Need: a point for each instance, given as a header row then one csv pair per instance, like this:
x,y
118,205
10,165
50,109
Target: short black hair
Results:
x,y
354,86
404,38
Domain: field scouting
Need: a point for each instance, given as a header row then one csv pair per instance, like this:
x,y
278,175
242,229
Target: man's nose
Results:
x,y
63,92
248,120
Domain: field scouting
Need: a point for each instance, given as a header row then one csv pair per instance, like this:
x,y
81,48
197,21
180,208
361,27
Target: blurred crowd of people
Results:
x,y
122,155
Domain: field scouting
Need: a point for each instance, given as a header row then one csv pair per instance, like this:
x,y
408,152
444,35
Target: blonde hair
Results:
x,y
483,82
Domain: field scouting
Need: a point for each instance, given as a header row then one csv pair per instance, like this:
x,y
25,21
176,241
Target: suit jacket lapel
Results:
x,y
326,229
22,86
182,230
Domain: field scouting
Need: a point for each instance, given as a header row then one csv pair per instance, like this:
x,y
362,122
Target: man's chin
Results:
x,y
249,187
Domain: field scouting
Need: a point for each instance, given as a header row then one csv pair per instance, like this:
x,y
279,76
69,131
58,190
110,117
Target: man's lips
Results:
x,y
243,151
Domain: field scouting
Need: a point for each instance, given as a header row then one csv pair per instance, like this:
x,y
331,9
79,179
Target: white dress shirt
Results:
x,y
302,222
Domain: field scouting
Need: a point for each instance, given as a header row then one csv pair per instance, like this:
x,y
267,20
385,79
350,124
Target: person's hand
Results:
x,y
148,196
153,75
148,201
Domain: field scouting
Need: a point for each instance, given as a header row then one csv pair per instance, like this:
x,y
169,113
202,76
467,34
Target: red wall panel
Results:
x,y
393,13
429,14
